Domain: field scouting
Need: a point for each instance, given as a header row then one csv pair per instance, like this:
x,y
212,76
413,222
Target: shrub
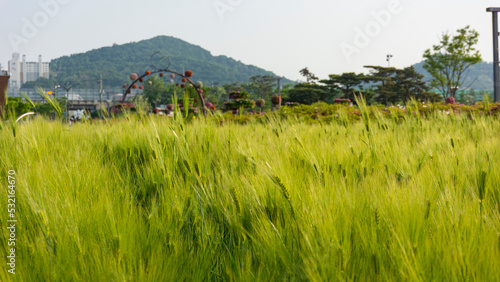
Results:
x,y
276,100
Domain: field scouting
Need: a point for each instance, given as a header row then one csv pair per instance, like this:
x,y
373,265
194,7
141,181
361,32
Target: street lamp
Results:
x,y
389,56
67,87
496,65
55,97
55,89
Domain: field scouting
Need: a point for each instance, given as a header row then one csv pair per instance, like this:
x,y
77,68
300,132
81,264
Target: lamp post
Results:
x,y
67,87
389,56
100,95
496,65
55,89
55,98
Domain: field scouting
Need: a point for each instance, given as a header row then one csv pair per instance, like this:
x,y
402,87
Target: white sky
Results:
x,y
280,36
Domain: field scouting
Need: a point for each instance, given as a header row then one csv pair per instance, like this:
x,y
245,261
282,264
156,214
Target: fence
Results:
x,y
75,94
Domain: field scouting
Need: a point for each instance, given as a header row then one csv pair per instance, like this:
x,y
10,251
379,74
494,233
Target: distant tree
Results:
x,y
263,84
251,88
467,97
156,91
386,91
307,93
46,109
285,89
217,95
16,106
116,63
399,85
346,83
230,87
409,84
449,61
310,77
40,82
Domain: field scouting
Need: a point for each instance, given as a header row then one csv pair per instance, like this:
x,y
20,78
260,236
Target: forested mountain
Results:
x,y
115,63
479,77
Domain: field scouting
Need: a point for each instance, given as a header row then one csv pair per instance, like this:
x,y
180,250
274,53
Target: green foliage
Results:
x,y
115,63
16,107
156,91
273,200
239,100
259,87
141,105
310,77
235,86
46,109
347,83
409,85
479,76
41,82
449,61
27,98
216,95
308,93
262,85
51,106
399,85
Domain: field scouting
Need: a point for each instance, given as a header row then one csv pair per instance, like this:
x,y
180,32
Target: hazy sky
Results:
x,y
280,36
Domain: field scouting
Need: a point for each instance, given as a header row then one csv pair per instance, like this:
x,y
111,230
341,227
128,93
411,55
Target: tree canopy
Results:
x,y
448,61
399,85
346,83
310,77
308,93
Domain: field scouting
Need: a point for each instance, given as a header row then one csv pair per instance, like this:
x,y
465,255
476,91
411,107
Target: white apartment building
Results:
x,y
22,71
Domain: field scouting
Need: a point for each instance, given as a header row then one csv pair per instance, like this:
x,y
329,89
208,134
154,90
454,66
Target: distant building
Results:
x,y
22,71
3,72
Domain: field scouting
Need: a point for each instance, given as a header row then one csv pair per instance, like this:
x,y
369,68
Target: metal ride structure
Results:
x,y
184,77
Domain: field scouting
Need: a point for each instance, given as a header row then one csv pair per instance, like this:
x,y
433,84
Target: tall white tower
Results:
x,y
40,66
24,73
15,71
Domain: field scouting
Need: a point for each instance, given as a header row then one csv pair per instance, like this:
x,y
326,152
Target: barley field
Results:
x,y
158,199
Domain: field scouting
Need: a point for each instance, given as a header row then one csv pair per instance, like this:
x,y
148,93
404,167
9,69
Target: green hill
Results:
x,y
115,63
479,77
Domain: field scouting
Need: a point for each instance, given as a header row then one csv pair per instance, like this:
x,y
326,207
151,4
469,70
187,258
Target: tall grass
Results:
x,y
162,200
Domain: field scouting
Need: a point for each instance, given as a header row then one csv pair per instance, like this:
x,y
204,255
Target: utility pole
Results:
x,y
279,89
279,85
496,62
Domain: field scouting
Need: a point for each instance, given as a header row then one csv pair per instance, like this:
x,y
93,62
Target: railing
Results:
x,y
90,95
